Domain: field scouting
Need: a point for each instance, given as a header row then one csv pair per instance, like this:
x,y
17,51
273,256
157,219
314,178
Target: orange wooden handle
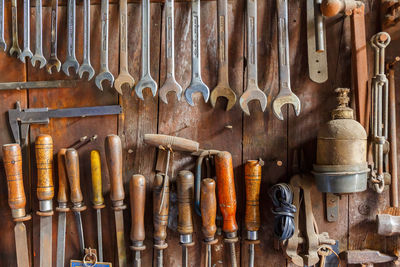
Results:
x,y
252,177
62,196
185,184
72,166
137,192
160,216
226,190
173,142
44,162
114,162
12,159
208,207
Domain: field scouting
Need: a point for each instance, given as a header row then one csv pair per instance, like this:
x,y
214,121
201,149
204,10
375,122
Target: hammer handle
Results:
x,y
252,176
160,216
72,166
95,164
62,196
44,163
173,142
185,184
137,192
114,162
208,205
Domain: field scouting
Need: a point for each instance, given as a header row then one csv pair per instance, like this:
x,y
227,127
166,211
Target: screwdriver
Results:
x,y
227,200
208,206
137,192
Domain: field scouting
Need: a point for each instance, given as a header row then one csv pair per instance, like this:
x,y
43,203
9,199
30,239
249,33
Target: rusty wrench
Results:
x,y
253,92
71,24
124,77
26,52
15,47
3,44
86,66
38,56
104,74
223,89
53,60
285,95
170,84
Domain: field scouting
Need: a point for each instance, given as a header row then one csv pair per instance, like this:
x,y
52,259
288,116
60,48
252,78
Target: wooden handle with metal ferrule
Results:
x,y
160,216
137,192
95,164
44,162
173,142
252,177
72,166
208,206
114,162
62,196
185,186
226,190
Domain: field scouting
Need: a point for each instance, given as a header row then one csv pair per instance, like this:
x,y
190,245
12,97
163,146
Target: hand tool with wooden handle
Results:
x,y
86,65
12,160
26,52
45,194
38,56
98,199
113,149
14,25
227,200
137,192
70,61
53,60
185,186
208,214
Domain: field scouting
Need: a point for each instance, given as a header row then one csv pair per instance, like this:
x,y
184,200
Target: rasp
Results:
x,y
137,193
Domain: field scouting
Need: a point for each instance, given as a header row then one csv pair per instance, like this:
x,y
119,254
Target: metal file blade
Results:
x,y
45,241
79,226
21,243
99,235
119,228
61,239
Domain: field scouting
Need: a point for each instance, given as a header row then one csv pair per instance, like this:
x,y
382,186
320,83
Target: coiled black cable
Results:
x,y
284,210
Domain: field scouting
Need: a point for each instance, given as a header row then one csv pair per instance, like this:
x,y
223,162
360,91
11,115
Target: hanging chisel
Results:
x,y
114,161
137,193
208,206
98,199
227,200
12,159
45,194
185,190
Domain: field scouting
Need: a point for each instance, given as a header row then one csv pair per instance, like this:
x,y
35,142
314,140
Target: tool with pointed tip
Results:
x,y
285,95
26,52
12,159
253,92
53,60
113,149
366,257
15,46
86,66
38,56
223,88
137,192
98,199
3,44
146,81
45,194
208,214
227,200
170,84
70,61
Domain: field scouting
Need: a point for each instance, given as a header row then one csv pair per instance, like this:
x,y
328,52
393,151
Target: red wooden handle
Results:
x,y
62,196
72,166
137,192
208,207
114,162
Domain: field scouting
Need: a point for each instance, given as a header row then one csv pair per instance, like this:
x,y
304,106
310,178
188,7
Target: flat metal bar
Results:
x,y
45,241
38,85
21,243
99,235
80,231
119,228
61,239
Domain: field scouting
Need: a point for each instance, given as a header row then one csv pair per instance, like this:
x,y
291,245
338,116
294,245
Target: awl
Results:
x,y
208,206
137,192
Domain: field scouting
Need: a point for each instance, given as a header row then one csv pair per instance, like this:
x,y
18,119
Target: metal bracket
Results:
x,y
332,207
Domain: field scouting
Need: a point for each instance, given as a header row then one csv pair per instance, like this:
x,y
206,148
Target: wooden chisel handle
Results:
x,y
95,164
160,219
137,192
185,187
252,177
62,196
208,206
72,166
172,142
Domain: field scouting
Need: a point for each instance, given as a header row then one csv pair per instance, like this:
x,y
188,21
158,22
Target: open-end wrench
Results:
x,y
3,44
196,84
253,92
124,77
53,60
170,84
86,66
223,89
15,47
104,74
285,96
38,56
26,52
71,24
146,81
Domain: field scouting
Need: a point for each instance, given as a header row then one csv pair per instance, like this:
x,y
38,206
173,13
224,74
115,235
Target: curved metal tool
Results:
x,y
170,84
223,89
285,96
253,92
26,52
86,66
38,56
196,84
15,47
71,21
53,60
3,44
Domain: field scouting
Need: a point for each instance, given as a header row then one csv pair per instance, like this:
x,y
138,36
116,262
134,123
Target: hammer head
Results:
x,y
366,257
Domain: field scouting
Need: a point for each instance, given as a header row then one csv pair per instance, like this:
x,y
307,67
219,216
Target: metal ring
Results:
x,y
87,264
381,44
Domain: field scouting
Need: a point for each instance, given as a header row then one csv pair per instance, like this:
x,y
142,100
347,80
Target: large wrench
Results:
x,y
170,84
253,92
223,89
26,53
285,96
86,66
53,60
38,56
146,81
15,47
71,24
104,74
124,77
196,84
3,44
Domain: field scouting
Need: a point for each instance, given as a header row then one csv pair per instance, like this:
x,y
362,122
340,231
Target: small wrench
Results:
x,y
285,95
53,60
223,89
170,84
196,84
71,21
86,66
124,77
26,53
15,47
253,92
104,74
146,81
38,45
3,44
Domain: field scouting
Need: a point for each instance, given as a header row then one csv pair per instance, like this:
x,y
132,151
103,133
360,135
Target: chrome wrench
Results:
x,y
71,24
38,56
3,44
53,60
15,47
86,66
26,52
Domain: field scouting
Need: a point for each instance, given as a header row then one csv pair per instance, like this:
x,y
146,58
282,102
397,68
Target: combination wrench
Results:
x,y
53,60
285,95
146,81
3,44
26,52
104,74
170,84
86,66
38,56
15,47
124,77
71,24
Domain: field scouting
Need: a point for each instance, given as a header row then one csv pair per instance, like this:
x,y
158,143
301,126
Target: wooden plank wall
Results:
x,y
259,136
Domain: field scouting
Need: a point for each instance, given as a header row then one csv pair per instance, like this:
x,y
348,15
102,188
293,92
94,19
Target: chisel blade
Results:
x,y
160,256
45,241
79,226
119,228
99,235
61,239
21,243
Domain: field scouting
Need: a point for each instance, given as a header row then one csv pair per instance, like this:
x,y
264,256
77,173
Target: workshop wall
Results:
x,y
260,135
